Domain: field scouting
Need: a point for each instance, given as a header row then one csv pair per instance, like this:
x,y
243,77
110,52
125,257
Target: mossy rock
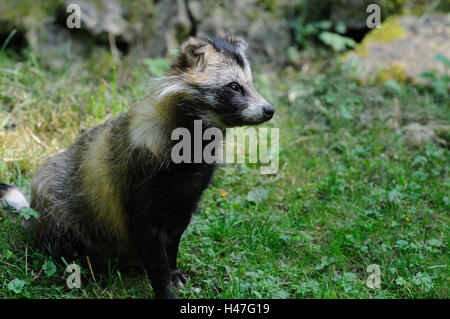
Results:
x,y
403,48
354,15
26,14
396,71
389,31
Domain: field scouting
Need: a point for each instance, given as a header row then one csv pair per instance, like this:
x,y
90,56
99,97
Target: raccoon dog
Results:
x,y
115,193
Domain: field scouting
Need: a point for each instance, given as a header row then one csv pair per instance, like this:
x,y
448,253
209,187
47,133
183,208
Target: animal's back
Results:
x,y
63,192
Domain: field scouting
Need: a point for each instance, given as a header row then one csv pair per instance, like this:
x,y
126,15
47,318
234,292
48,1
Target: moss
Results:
x,y
393,7
268,5
396,71
26,14
389,31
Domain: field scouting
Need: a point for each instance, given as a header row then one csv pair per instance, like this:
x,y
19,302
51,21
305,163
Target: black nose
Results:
x,y
268,111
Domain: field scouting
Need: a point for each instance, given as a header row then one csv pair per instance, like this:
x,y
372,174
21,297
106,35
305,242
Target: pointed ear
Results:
x,y
239,43
195,50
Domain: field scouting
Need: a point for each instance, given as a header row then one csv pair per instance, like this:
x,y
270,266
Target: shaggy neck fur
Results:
x,y
172,104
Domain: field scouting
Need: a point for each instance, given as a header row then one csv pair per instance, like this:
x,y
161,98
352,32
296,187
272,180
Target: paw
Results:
x,y
166,294
178,278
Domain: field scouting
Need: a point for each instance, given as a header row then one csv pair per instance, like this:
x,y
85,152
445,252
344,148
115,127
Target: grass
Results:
x,y
351,191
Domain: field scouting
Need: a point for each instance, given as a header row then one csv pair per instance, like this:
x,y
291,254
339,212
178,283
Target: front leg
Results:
x,y
177,277
150,241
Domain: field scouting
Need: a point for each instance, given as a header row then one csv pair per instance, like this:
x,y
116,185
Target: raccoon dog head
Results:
x,y
219,78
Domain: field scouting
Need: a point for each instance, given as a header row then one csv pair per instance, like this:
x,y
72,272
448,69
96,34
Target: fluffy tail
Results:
x,y
11,199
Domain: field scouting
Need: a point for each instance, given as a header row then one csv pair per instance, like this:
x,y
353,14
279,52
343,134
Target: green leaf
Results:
x,y
402,244
345,112
442,59
423,280
435,242
9,254
49,268
349,276
394,195
27,213
330,99
293,54
16,285
421,160
401,282
324,25
257,196
428,75
335,41
340,27
280,294
325,262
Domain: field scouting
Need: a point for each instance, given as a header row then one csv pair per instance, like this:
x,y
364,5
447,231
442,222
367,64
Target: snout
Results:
x,y
268,111
256,114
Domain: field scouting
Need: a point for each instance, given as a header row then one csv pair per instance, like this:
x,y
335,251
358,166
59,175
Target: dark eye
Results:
x,y
234,86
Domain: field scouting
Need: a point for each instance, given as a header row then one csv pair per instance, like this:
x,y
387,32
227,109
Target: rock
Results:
x,y
354,15
266,34
104,17
403,48
172,24
55,44
149,29
416,134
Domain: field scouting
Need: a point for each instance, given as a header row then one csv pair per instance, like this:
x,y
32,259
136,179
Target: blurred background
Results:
x,y
364,118
276,30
